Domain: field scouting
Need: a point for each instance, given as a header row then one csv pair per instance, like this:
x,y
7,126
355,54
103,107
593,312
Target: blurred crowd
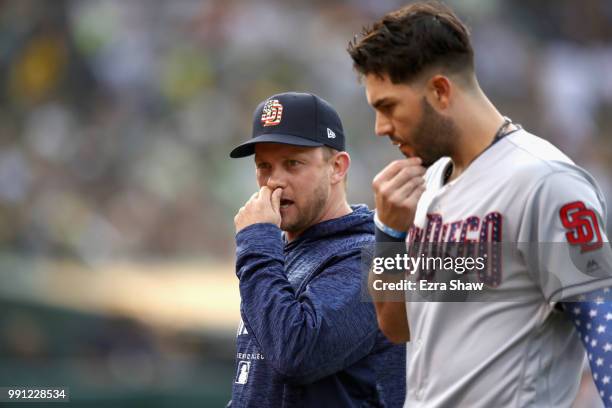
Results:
x,y
112,361
117,116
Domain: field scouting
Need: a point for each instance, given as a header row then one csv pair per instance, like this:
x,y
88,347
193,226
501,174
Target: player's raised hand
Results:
x,y
262,207
397,190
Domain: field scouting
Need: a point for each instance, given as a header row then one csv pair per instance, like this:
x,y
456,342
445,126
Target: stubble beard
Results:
x,y
310,214
434,136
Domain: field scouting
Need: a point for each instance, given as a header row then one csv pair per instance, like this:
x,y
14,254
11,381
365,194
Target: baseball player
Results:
x,y
306,338
472,175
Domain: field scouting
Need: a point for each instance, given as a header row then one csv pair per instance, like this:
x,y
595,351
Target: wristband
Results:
x,y
388,230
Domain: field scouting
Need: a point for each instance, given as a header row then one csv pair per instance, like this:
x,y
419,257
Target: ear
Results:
x,y
439,91
340,164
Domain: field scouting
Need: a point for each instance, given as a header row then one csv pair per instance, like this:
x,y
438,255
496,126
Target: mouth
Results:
x,y
394,141
407,150
285,203
403,147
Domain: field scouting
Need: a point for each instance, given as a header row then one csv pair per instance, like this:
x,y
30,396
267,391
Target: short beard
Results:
x,y
434,136
312,213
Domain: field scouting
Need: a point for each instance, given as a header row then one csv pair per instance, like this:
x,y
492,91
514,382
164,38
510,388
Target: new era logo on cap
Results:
x,y
330,134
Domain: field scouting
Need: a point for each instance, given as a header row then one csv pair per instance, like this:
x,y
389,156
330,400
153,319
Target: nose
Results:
x,y
383,126
277,179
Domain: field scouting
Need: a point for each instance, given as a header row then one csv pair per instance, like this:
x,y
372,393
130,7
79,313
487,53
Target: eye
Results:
x,y
386,108
292,163
262,166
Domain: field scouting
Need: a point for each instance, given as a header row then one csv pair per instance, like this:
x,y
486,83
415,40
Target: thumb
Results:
x,y
275,199
264,193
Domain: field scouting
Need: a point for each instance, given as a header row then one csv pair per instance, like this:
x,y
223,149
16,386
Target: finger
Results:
x,y
397,165
389,172
407,174
410,201
253,196
265,193
401,179
409,187
415,160
416,196
276,199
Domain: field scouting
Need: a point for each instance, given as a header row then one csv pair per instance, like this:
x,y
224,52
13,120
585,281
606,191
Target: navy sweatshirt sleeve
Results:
x,y
309,335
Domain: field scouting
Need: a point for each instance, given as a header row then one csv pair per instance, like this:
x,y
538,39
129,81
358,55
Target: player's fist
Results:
x,y
397,190
262,207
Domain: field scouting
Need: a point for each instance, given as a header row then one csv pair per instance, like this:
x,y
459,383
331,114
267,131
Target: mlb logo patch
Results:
x,y
272,113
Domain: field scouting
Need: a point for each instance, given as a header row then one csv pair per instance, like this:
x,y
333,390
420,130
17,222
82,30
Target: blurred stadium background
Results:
x,y
117,196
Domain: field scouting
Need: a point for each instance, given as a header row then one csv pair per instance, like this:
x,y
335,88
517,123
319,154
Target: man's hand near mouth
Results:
x,y
263,207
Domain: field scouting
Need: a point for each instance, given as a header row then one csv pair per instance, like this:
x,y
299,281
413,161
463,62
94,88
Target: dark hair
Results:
x,y
406,42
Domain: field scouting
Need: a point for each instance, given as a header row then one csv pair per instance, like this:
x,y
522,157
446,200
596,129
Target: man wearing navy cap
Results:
x,y
306,337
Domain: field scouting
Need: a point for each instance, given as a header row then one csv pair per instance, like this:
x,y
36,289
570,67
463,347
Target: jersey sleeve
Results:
x,y
562,236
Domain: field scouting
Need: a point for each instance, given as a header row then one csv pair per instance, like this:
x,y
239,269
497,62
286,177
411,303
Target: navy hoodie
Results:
x,y
307,339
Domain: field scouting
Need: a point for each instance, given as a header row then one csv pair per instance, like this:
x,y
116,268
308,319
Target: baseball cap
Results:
x,y
294,118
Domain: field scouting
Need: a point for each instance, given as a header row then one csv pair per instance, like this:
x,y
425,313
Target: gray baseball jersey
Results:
x,y
523,353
